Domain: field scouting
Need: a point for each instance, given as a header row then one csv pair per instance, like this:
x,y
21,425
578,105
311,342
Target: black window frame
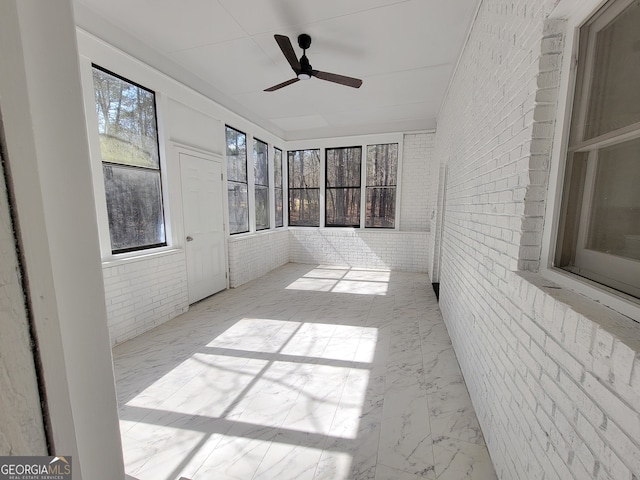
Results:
x,y
138,168
386,186
278,186
235,182
292,189
343,187
259,186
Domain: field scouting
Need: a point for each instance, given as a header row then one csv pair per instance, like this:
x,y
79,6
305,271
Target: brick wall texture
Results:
x,y
403,251
557,394
252,256
142,294
415,209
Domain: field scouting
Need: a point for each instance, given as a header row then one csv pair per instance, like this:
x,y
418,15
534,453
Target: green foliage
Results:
x,y
116,150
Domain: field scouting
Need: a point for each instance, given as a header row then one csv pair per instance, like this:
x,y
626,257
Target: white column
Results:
x,y
41,101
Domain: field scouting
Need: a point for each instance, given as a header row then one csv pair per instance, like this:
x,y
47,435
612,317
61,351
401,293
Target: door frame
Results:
x,y
178,232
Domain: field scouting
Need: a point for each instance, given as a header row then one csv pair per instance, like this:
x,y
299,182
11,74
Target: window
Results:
x,y
261,183
382,168
277,180
237,181
599,233
130,162
343,187
304,188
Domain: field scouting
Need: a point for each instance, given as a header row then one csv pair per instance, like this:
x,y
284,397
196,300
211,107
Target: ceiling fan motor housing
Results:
x,y
304,41
305,66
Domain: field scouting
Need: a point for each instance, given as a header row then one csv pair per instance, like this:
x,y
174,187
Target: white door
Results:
x,y
203,209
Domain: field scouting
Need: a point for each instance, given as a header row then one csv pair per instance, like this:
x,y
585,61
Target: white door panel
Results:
x,y
202,204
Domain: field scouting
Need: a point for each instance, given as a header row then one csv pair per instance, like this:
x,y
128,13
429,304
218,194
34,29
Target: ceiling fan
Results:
x,y
302,67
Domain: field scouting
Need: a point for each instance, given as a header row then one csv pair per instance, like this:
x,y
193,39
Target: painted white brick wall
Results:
x,y
404,251
251,256
554,377
416,170
143,293
557,394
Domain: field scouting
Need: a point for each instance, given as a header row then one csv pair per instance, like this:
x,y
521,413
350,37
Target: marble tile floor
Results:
x,y
310,372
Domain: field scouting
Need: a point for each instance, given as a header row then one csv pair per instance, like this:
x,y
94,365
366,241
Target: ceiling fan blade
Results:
x,y
335,78
280,85
289,53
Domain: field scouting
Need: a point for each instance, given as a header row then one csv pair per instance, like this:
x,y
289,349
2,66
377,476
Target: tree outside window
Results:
x,y
342,207
237,188
304,188
261,183
382,170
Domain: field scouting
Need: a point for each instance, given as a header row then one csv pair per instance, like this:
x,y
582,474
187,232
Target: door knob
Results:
x,y
189,239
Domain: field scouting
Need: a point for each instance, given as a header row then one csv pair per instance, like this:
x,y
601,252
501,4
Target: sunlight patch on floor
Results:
x,y
346,280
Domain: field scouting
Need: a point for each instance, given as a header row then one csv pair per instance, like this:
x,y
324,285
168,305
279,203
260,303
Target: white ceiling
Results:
x,y
405,51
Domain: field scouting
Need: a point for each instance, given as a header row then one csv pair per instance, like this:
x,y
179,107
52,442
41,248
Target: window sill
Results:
x,y
598,294
138,256
622,326
367,231
259,233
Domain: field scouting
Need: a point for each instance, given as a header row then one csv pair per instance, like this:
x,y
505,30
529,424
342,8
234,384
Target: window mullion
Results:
x,y
251,189
624,134
363,185
587,201
322,193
